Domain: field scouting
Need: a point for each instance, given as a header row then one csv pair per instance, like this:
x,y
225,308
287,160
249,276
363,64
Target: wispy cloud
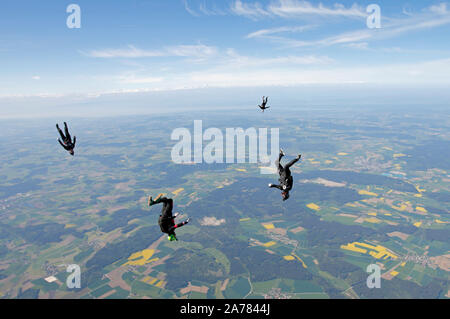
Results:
x,y
139,80
439,8
235,60
203,9
191,51
269,32
188,9
276,8
249,10
294,8
430,17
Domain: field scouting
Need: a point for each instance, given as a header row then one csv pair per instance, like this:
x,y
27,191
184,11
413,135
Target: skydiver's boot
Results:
x,y
156,201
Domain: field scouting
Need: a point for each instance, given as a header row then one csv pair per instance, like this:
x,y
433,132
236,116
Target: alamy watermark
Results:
x,y
74,19
234,149
374,279
374,18
74,279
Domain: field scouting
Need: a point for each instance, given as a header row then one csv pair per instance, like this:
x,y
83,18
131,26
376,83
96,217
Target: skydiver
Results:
x,y
286,180
264,102
166,221
67,139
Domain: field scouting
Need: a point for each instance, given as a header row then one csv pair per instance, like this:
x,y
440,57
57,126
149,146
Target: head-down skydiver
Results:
x,y
66,139
285,179
166,221
264,102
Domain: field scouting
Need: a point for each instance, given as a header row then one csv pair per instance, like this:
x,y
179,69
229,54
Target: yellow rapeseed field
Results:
x,y
313,206
268,226
179,190
269,244
289,257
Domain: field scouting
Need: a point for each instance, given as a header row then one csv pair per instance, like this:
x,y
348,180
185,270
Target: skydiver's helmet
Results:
x,y
171,237
285,195
71,152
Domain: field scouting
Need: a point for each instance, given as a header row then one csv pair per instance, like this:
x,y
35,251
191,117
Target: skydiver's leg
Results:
x,y
295,160
66,130
157,200
60,133
278,162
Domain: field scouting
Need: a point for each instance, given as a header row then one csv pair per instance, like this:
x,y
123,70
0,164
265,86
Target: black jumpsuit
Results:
x,y
66,139
166,220
286,180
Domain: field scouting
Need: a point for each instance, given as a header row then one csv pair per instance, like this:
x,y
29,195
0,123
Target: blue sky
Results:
x,y
138,47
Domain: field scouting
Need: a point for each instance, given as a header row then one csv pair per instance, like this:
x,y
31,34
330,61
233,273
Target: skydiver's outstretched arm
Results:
x,y
295,160
60,133
172,229
62,144
74,140
181,224
276,186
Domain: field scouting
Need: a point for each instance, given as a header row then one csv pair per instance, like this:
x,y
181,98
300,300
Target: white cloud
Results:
x,y
439,9
196,51
210,11
429,73
358,45
235,60
36,77
202,8
129,52
294,8
425,73
140,80
193,51
268,32
188,9
250,10
431,17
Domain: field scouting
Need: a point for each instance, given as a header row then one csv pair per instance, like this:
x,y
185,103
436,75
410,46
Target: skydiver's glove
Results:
x,y
270,185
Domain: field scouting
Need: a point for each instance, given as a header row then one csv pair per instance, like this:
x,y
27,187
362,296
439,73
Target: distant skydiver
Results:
x,y
66,139
166,221
285,179
264,102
